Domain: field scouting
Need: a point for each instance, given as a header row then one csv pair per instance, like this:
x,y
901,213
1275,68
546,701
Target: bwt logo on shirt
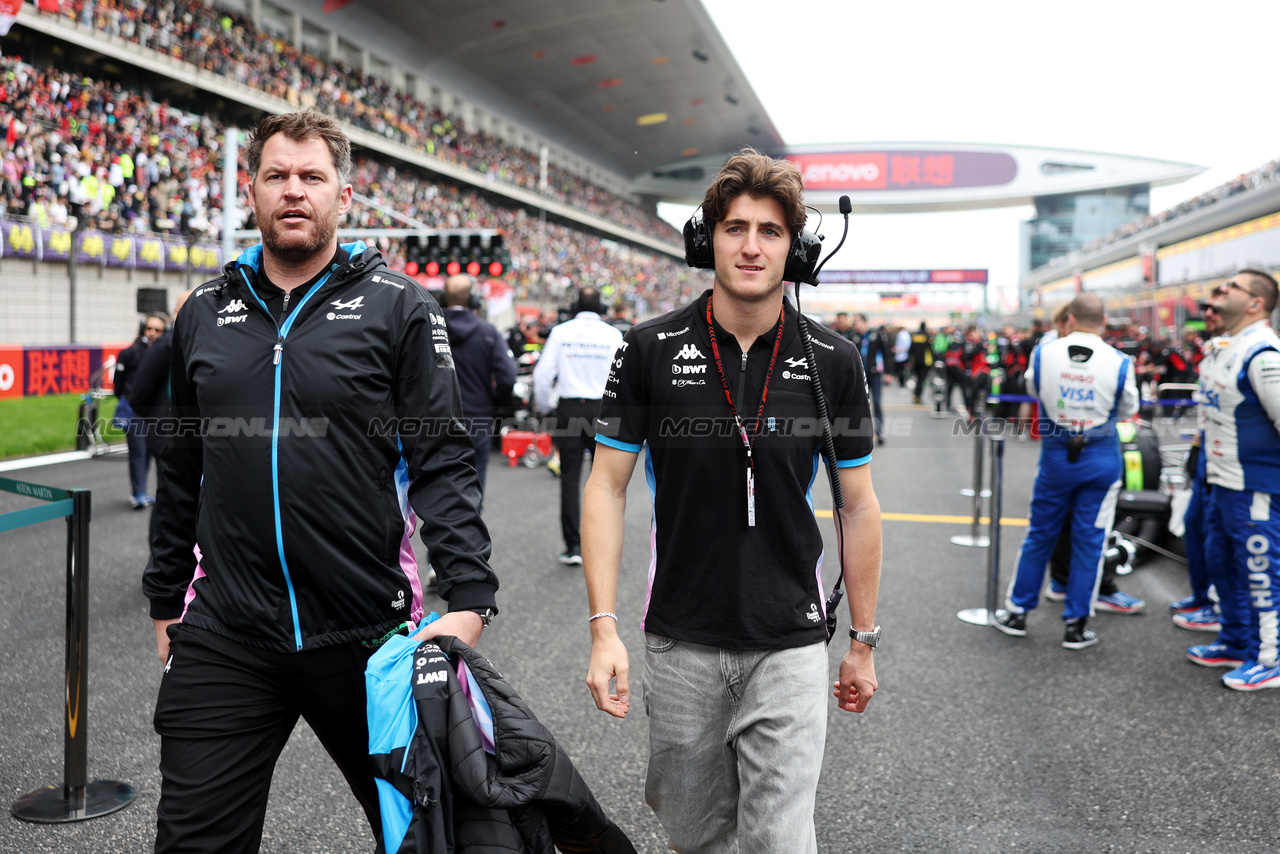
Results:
x,y
688,369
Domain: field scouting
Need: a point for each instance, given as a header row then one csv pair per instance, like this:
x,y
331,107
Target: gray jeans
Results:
x,y
735,745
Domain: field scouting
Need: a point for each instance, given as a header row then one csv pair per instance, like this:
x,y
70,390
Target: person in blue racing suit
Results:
x,y
1085,386
1242,458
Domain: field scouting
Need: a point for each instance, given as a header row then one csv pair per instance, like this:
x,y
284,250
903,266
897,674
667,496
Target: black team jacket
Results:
x,y
304,451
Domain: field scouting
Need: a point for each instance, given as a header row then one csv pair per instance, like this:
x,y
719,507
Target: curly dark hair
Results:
x,y
760,177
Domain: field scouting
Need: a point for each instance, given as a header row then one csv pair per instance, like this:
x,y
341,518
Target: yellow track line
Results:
x,y
947,520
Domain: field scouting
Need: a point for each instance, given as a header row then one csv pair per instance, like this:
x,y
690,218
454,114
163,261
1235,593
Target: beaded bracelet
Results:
x,y
595,617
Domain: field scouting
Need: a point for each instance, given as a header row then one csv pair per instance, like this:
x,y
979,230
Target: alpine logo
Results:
x,y
688,369
688,351
351,305
232,307
348,306
797,363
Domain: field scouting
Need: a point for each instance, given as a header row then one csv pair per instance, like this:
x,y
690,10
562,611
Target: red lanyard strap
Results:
x,y
724,382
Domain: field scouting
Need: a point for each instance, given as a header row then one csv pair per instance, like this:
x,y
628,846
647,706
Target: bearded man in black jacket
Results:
x,y
316,420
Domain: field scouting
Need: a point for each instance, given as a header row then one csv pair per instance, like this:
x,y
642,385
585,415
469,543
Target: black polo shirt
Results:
x,y
713,579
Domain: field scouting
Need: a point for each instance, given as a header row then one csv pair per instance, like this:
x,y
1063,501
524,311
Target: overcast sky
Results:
x,y
1186,81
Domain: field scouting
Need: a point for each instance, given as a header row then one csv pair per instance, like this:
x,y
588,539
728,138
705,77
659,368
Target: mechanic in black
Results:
x,y
317,418
875,354
736,665
485,366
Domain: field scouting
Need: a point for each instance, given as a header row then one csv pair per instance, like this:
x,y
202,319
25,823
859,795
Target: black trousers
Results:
x,y
1060,562
575,433
224,713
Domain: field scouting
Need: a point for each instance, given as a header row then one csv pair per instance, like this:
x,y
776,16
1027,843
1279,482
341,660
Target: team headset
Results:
x,y
802,267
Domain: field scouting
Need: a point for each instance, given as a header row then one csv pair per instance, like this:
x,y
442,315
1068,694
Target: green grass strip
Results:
x,y
45,425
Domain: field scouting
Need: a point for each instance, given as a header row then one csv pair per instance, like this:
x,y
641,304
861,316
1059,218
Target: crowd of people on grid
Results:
x,y
227,43
973,363
91,149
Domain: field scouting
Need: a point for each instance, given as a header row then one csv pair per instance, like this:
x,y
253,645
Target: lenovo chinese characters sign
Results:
x,y
904,170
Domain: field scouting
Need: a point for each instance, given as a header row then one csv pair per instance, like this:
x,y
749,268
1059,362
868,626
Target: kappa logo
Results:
x,y
232,307
797,363
688,351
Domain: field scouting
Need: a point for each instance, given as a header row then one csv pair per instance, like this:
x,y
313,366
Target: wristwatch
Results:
x,y
871,638
487,615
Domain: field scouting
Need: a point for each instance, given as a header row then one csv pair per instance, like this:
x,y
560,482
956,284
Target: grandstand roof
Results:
x,y
628,84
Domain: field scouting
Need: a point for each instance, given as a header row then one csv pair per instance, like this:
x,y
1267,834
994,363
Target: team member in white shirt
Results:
x,y
574,366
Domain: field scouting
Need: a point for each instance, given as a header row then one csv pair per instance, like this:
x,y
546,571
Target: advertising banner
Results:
x,y
904,277
92,248
175,256
904,170
11,371
149,254
59,370
55,244
19,240
119,250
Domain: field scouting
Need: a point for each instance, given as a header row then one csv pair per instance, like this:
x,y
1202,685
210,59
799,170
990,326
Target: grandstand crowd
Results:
x,y
227,43
121,162
1259,177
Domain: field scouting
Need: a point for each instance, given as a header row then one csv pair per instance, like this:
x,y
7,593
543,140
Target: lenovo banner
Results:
x,y
904,277
904,170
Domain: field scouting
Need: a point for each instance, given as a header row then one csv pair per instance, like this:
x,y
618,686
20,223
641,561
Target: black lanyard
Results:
x,y
764,394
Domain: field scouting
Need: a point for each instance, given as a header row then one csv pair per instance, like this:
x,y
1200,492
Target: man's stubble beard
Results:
x,y
326,223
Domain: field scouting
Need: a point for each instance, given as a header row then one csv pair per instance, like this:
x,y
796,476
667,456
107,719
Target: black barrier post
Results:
x,y
973,539
76,799
985,616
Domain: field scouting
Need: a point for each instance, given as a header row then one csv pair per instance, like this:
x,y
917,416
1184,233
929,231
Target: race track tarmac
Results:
x,y
976,742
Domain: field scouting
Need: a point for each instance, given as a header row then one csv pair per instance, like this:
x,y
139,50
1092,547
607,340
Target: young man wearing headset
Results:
x,y
736,663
